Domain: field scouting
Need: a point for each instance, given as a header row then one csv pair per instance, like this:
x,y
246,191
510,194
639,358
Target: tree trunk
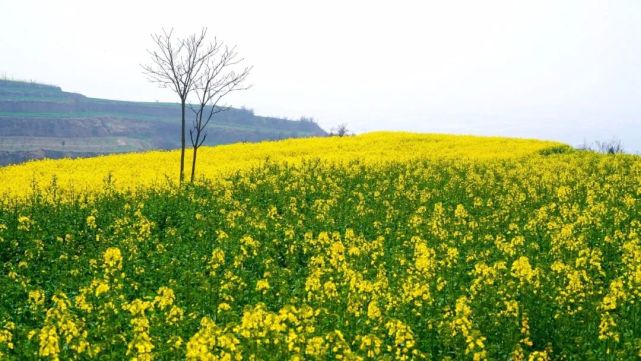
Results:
x,y
182,143
193,164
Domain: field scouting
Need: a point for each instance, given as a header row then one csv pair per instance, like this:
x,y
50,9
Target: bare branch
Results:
x,y
193,65
177,64
217,76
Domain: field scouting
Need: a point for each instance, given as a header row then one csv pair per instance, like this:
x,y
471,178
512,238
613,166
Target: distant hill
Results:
x,y
42,121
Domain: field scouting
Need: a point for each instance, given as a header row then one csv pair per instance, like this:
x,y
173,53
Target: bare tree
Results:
x,y
176,64
341,130
613,146
219,77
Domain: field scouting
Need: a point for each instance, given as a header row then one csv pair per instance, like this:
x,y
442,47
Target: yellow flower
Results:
x,y
165,297
113,258
371,344
424,257
262,285
37,298
211,343
539,356
48,341
6,337
174,315
91,222
217,259
316,347
101,287
522,270
24,223
373,312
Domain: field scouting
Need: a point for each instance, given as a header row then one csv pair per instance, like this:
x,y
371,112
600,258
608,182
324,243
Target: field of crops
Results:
x,y
386,246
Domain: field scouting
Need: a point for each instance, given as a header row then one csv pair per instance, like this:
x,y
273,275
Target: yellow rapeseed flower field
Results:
x,y
384,246
156,169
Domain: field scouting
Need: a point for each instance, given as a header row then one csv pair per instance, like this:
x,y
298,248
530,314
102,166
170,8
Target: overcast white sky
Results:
x,y
559,69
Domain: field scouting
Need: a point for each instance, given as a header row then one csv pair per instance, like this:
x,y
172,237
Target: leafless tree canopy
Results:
x,y
220,75
177,63
341,130
613,146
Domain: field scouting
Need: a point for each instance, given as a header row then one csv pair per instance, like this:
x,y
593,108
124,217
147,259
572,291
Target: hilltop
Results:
x,y
38,121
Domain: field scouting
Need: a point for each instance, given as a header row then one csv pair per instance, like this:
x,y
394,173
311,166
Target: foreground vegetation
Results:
x,y
515,250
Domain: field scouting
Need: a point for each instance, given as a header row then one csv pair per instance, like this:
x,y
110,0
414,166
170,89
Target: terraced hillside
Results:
x,y
38,121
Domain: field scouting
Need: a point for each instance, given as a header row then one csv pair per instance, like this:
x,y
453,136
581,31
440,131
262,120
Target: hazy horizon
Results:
x,y
567,71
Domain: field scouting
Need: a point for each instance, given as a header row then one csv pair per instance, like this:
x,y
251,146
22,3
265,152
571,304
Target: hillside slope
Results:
x,y
38,121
